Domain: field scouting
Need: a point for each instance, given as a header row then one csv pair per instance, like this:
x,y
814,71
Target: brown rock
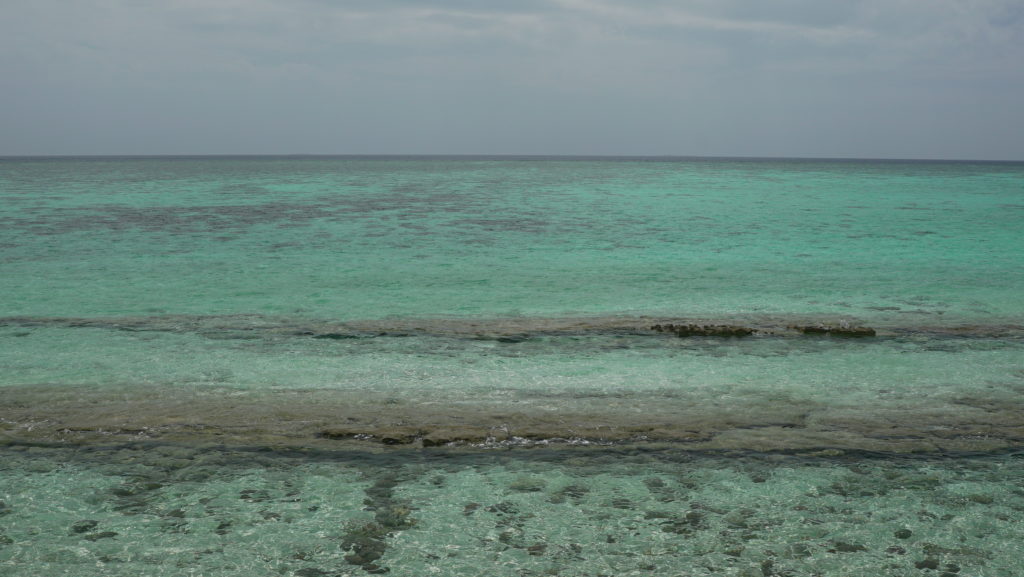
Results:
x,y
694,330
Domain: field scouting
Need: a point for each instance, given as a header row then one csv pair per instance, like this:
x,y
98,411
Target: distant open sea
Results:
x,y
510,366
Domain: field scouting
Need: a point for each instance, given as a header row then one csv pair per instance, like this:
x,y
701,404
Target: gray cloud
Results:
x,y
718,77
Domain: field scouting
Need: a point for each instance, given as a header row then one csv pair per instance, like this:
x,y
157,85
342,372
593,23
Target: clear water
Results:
x,y
348,366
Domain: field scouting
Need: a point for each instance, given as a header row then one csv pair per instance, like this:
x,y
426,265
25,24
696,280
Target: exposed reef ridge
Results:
x,y
843,330
329,418
821,329
510,329
692,330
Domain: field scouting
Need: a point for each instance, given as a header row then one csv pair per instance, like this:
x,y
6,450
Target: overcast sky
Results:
x,y
842,78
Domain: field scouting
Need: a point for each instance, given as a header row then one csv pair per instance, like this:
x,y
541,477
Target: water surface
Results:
x,y
350,365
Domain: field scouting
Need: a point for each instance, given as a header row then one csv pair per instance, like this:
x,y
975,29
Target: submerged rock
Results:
x,y
394,517
654,483
366,543
738,518
844,547
574,492
337,336
84,525
503,508
528,485
537,549
223,528
797,551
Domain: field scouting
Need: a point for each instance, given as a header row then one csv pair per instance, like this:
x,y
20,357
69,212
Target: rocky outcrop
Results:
x,y
841,330
694,330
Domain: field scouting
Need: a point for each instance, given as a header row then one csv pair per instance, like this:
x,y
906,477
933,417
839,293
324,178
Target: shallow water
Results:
x,y
158,509
456,366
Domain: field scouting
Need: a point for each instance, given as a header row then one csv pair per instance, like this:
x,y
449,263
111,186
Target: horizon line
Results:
x,y
499,156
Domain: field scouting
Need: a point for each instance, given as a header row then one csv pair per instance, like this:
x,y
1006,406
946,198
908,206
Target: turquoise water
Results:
x,y
459,366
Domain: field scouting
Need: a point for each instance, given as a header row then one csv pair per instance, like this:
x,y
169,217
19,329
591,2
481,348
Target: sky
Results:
x,y
937,79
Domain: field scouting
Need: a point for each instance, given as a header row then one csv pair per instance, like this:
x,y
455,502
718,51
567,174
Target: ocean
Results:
x,y
320,366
